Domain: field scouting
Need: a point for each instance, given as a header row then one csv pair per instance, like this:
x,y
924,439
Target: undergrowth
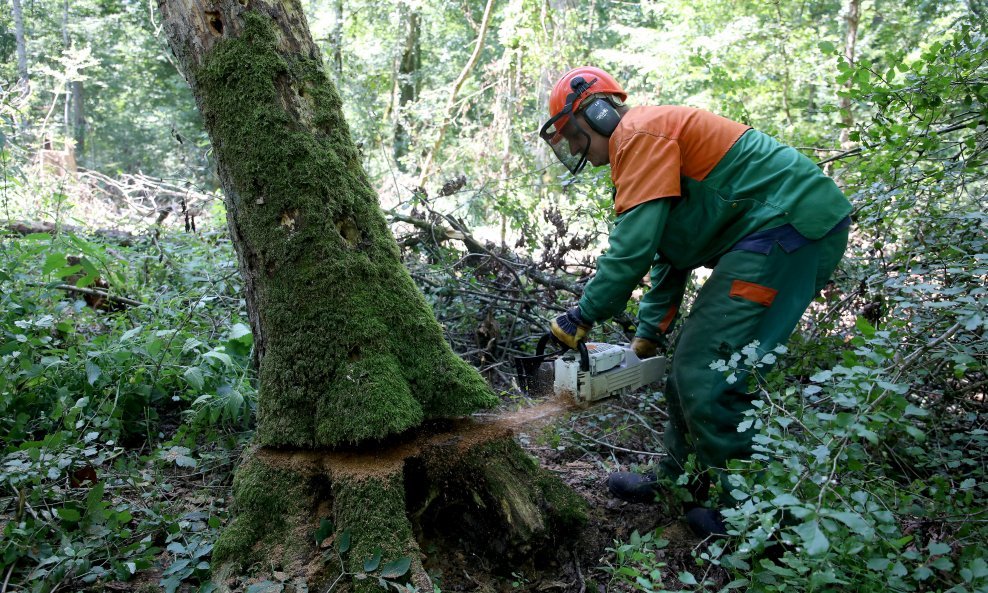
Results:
x,y
110,409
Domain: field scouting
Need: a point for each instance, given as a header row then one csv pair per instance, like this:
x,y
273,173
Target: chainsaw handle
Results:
x,y
581,347
544,341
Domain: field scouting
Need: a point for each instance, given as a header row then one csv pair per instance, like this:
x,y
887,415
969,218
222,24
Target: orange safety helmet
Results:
x,y
566,99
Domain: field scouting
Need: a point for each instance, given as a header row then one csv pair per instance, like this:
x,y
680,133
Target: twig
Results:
x,y
579,573
100,294
858,149
909,360
6,579
616,447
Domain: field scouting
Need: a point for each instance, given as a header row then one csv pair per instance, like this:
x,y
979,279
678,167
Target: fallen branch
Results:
x,y
24,228
147,196
442,233
99,294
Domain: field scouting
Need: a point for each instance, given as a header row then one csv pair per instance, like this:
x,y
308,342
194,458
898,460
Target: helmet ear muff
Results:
x,y
601,116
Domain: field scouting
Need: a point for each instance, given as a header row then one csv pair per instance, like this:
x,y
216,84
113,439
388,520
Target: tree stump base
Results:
x,y
465,488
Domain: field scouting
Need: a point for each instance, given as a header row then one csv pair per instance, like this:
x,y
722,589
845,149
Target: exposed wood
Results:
x,y
468,489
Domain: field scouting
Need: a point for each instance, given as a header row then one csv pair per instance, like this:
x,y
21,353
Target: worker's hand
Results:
x,y
570,328
644,348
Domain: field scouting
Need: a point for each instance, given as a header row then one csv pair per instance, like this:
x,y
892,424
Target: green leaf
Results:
x,y
912,410
371,563
193,376
325,530
68,514
130,333
185,461
854,522
345,541
177,548
813,538
687,578
53,262
826,47
866,329
220,356
93,372
396,569
170,584
239,331
94,498
785,500
937,548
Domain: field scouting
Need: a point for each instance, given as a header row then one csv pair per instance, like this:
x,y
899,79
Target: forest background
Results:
x,y
126,389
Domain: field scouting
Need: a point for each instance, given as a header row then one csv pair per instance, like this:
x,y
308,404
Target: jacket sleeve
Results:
x,y
634,242
660,305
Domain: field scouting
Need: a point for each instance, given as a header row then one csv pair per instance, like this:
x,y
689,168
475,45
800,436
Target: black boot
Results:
x,y
705,522
634,487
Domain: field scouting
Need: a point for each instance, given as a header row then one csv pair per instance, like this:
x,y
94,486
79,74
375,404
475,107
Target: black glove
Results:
x,y
570,328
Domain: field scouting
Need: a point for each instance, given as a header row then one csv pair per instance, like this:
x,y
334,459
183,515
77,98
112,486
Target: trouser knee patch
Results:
x,y
756,293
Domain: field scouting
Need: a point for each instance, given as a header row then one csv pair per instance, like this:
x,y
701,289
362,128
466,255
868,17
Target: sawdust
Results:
x,y
534,416
384,460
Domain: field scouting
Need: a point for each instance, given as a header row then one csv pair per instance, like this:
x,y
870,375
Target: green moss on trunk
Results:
x,y
274,515
372,509
351,349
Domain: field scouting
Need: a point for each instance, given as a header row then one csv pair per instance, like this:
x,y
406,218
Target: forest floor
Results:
x,y
556,435
582,446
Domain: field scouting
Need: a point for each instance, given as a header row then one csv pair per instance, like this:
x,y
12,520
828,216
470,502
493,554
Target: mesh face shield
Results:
x,y
568,140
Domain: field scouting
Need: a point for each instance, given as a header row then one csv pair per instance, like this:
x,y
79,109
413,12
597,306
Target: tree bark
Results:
x,y
852,16
79,116
350,354
22,74
468,489
348,349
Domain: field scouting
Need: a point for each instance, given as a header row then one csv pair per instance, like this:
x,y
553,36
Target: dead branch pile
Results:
x,y
143,196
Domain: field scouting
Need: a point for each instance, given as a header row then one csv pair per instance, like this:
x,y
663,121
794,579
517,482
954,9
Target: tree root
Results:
x,y
468,489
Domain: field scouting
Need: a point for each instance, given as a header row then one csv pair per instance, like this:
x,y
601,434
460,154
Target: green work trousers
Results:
x,y
748,297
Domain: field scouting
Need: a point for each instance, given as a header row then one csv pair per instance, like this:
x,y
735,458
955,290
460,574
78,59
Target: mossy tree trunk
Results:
x,y
350,356
348,349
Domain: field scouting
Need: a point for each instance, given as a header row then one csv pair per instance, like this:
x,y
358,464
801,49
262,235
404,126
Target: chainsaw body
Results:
x,y
604,370
593,372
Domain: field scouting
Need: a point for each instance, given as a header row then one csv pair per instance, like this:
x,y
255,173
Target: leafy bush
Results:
x,y
87,384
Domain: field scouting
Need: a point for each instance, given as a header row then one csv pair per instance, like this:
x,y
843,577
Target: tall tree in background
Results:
x,y
449,110
74,118
349,352
407,81
852,16
336,36
23,81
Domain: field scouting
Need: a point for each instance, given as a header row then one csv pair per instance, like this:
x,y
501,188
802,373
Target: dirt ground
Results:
x,y
580,445
624,436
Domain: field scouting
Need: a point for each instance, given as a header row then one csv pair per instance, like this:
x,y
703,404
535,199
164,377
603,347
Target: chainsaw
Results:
x,y
593,372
